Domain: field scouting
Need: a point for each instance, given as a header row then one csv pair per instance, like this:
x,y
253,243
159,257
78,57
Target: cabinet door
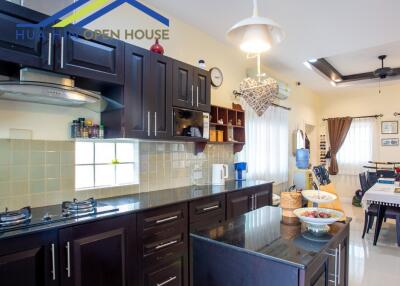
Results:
x,y
183,89
170,275
29,260
82,53
161,95
25,46
343,263
202,86
263,196
137,104
99,253
320,277
237,204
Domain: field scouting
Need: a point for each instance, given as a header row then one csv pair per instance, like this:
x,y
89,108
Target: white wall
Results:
x,y
360,101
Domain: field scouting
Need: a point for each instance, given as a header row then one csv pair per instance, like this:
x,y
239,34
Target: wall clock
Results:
x,y
216,77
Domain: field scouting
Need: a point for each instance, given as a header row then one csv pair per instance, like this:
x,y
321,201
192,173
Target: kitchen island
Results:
x,y
257,249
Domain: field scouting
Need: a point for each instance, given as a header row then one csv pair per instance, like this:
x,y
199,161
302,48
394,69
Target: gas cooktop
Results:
x,y
75,209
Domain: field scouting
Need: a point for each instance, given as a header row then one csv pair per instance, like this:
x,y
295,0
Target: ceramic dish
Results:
x,y
319,197
324,216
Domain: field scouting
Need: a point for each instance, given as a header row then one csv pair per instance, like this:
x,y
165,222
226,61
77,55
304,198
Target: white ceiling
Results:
x,y
314,29
367,60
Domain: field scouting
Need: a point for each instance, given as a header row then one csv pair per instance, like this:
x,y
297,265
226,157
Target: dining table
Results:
x,y
383,195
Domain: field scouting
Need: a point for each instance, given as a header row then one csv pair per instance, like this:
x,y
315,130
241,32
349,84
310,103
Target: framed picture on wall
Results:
x,y
390,127
390,142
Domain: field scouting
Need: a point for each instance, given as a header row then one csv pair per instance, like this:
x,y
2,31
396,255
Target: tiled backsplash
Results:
x,y
39,173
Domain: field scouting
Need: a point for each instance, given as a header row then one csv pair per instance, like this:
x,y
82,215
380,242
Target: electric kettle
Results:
x,y
219,174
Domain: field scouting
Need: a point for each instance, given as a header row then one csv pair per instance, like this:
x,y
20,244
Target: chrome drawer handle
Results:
x,y
62,52
166,219
68,247
166,244
339,258
211,208
50,49
148,123
167,281
53,261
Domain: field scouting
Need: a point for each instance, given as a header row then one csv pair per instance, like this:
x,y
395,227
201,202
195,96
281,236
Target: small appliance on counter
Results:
x,y
240,171
219,174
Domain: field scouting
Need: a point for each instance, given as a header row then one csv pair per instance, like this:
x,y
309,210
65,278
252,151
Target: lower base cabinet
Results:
x,y
29,260
172,274
149,248
243,201
101,253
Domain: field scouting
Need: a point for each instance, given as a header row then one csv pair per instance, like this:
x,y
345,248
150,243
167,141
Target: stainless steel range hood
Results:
x,y
45,87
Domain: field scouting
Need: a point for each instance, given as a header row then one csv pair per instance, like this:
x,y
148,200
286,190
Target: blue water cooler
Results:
x,y
302,158
240,171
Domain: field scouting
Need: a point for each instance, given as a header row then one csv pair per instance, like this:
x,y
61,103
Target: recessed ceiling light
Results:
x,y
308,65
313,61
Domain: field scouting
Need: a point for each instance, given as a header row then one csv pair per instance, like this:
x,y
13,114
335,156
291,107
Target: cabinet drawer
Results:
x,y
207,209
162,216
169,275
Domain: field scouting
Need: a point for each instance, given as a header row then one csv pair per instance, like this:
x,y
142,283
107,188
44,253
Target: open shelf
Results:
x,y
231,122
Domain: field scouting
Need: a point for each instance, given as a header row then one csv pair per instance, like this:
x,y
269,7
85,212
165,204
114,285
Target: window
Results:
x,y
105,164
266,149
358,146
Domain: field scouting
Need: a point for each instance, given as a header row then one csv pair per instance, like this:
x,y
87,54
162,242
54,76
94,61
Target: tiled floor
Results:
x,y
372,265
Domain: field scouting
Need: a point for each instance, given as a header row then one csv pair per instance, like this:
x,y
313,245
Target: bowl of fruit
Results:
x,y
318,219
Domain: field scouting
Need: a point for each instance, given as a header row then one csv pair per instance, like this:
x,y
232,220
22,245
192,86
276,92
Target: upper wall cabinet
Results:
x,y
99,58
191,87
22,46
66,51
147,98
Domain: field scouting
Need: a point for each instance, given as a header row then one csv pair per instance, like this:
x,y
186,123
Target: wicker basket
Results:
x,y
289,202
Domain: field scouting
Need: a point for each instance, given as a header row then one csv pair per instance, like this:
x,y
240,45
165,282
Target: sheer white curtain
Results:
x,y
266,150
358,147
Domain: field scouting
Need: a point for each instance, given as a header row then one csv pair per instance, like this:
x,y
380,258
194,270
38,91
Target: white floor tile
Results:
x,y
372,265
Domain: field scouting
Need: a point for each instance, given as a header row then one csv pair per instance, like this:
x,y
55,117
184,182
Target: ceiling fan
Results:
x,y
384,72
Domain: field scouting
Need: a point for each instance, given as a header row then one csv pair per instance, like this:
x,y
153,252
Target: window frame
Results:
x,y
134,163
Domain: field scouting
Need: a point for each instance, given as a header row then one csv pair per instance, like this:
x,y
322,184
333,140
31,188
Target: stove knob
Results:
x,y
46,217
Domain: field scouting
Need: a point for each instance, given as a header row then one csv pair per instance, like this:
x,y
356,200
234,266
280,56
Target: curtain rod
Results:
x,y
236,93
376,116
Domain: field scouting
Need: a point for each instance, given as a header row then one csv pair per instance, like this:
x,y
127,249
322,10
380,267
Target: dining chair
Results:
x,y
372,212
372,178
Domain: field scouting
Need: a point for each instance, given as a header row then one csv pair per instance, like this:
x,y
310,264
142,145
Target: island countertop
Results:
x,y
261,233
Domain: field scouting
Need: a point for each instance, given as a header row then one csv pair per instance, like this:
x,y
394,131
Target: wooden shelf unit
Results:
x,y
227,115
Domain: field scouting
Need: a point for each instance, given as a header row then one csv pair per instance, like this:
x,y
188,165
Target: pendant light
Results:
x,y
256,34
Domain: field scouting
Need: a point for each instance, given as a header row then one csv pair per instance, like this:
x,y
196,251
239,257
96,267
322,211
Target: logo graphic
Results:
x,y
82,16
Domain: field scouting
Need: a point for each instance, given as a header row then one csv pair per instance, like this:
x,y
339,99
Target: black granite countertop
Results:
x,y
261,233
131,204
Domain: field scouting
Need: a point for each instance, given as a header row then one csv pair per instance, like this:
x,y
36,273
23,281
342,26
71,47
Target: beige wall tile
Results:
x,y
43,172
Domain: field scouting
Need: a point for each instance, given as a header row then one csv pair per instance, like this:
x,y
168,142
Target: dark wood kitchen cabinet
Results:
x,y
147,98
23,46
99,253
161,95
30,260
202,85
246,200
191,87
83,53
162,239
206,212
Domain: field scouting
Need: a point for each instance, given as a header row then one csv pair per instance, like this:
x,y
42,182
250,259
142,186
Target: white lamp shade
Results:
x,y
256,34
